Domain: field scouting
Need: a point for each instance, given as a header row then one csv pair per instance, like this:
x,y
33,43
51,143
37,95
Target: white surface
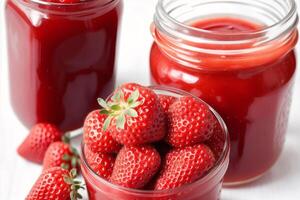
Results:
x,y
17,175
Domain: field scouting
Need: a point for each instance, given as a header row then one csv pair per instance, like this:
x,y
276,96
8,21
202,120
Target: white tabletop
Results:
x,y
17,175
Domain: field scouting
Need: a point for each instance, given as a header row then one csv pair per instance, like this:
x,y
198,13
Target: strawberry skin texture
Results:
x,y
183,166
166,101
217,141
54,155
50,185
135,166
149,126
101,163
190,122
37,142
95,138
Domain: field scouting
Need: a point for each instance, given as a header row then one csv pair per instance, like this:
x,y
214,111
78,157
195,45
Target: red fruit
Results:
x,y
166,101
183,166
95,137
60,154
217,141
135,166
135,115
101,163
37,142
55,183
190,122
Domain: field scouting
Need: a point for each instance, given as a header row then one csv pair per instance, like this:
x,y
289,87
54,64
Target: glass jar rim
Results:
x,y
72,8
223,159
49,3
292,13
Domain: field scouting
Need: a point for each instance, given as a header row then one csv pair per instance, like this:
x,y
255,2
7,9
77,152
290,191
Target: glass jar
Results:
x,y
61,58
207,188
238,56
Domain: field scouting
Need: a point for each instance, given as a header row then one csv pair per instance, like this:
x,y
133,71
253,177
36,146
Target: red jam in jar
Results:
x,y
241,62
61,58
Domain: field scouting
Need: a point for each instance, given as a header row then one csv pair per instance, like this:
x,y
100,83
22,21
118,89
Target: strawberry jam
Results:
x,y
250,86
61,58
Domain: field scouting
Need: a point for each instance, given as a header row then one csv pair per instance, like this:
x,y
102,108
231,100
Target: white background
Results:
x,y
17,175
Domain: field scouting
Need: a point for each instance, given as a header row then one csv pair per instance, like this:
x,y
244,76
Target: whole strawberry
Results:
x,y
95,138
101,163
183,166
37,142
217,141
134,115
55,183
166,101
135,166
190,122
61,154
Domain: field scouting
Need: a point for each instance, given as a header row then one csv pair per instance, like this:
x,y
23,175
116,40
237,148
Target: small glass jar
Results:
x,y
61,58
207,188
238,56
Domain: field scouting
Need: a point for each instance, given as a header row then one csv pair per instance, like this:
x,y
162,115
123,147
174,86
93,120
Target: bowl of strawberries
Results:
x,y
155,143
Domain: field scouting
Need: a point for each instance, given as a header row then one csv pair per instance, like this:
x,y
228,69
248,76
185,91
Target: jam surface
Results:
x,y
60,63
252,97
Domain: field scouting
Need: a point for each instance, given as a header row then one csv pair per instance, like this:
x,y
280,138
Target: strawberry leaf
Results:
x,y
105,112
116,107
116,97
107,122
131,112
73,173
120,121
133,97
65,166
66,157
136,104
102,103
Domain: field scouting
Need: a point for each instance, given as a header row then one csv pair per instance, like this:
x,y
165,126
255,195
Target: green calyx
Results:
x,y
74,184
73,159
118,108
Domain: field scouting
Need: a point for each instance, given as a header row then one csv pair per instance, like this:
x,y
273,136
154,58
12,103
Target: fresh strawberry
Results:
x,y
190,122
61,154
135,115
166,101
217,141
55,183
135,166
95,138
37,142
183,166
101,163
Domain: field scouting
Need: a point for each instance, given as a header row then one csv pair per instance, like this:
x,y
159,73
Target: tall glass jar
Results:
x,y
237,55
61,58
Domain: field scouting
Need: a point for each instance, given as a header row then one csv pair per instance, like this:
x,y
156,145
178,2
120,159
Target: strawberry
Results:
x,y
135,166
55,183
135,115
183,166
190,122
61,154
95,138
101,163
217,141
37,142
166,101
